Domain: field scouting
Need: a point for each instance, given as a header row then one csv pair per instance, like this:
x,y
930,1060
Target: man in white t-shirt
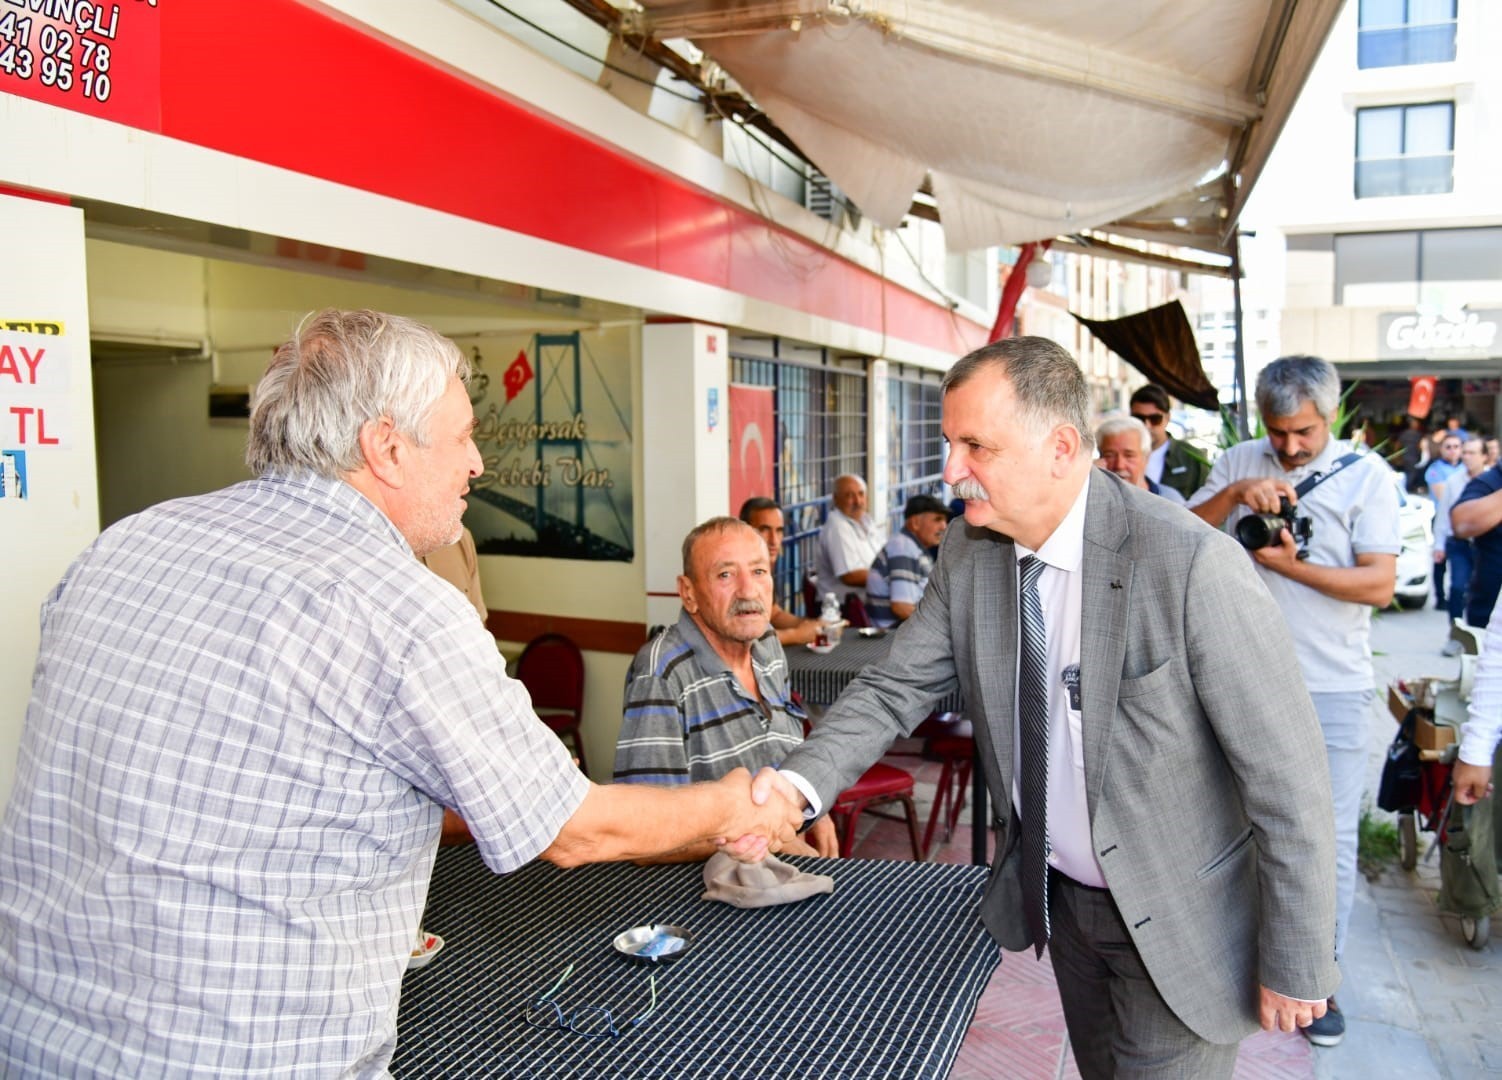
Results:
x,y
848,542
1326,586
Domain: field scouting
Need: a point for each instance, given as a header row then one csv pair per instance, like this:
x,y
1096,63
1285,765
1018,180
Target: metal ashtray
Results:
x,y
657,943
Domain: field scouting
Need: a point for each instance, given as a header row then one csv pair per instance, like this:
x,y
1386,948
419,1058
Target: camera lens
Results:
x,y
1259,530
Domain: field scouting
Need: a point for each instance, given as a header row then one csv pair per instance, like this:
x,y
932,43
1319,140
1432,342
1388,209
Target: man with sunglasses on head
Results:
x,y
1172,463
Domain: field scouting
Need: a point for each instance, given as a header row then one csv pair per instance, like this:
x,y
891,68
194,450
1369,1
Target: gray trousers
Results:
x,y
1119,1025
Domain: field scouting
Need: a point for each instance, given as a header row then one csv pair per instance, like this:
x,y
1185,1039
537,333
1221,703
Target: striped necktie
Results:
x,y
1032,713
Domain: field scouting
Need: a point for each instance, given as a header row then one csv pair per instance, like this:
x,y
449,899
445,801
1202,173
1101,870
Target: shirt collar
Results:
x,y
1065,547
1334,449
712,663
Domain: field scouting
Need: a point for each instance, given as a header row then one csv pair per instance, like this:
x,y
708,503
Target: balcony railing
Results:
x,y
1396,46
1410,175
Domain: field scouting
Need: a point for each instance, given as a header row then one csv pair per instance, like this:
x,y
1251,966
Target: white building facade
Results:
x,y
1387,187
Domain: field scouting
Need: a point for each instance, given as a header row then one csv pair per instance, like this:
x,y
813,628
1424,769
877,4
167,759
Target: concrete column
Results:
x,y
685,448
47,414
881,437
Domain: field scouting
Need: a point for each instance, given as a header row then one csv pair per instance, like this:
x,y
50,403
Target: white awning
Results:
x,y
1148,118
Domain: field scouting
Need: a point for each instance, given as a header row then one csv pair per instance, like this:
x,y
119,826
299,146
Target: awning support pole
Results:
x,y
1240,390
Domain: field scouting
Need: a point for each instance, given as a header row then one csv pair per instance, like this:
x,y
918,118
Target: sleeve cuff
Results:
x,y
815,807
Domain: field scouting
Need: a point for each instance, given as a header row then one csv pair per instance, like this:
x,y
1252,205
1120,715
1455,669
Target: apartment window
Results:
x,y
1392,33
914,400
1405,149
821,433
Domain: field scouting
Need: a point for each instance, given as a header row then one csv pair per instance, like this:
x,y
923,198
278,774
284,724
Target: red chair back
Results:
x,y
810,596
552,669
854,611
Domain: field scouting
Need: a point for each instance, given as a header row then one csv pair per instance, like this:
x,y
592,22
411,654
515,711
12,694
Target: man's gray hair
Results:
x,y
340,371
1285,384
720,524
1119,425
1048,384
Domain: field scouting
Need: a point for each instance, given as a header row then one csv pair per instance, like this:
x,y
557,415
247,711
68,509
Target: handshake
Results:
x,y
762,816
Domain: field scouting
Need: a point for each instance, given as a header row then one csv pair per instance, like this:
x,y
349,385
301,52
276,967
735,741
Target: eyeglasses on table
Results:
x,y
591,1021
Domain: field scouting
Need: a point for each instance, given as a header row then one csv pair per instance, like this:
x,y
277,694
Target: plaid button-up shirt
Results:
x,y
248,711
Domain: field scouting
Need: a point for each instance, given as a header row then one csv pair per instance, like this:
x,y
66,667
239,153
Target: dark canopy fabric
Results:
x,y
1160,343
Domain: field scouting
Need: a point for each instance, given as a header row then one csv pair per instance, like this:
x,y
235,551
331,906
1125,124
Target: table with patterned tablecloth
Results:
x,y
878,979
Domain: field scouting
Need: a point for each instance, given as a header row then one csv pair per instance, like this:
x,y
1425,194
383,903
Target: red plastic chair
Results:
x,y
854,612
956,749
878,785
552,669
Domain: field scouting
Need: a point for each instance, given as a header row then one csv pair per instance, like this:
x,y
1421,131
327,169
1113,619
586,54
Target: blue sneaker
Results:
x,y
1329,1029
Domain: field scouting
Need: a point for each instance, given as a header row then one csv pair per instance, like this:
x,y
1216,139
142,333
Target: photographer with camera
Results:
x,y
1321,523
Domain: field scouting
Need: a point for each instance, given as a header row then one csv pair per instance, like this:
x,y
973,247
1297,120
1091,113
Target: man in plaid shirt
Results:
x,y
249,710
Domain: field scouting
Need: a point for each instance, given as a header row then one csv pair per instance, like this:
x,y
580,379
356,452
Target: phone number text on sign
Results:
x,y
70,52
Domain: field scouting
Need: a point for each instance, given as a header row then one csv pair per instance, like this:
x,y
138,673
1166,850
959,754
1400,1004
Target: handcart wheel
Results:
x,y
1408,841
1476,931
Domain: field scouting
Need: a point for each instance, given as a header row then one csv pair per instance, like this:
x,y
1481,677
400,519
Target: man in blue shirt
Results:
x,y
1477,517
1444,473
899,573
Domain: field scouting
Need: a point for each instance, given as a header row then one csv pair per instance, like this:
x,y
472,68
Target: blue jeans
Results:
x,y
1461,558
1345,717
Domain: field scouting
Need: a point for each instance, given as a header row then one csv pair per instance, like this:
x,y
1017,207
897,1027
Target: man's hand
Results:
x,y
1472,782
757,826
822,837
803,632
1263,495
1280,558
1279,1013
769,781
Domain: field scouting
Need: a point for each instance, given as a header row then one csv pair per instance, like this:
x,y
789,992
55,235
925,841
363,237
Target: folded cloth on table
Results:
x,y
761,884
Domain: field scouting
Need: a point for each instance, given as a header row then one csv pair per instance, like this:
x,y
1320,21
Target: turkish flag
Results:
x,y
1421,397
753,436
518,375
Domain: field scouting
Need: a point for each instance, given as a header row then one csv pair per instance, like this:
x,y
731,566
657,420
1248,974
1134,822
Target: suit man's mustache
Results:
x,y
971,491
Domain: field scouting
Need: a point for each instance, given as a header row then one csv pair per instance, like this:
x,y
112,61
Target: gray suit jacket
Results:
x,y
1208,789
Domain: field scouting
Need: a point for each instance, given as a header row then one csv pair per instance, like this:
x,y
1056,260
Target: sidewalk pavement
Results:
x,y
1418,1001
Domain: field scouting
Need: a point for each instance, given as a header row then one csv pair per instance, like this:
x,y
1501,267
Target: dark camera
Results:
x,y
1261,530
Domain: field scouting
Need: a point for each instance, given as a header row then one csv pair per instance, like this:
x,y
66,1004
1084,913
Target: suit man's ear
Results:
x,y
384,451
1066,444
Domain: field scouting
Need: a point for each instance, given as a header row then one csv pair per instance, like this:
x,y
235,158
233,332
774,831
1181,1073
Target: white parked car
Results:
x,y
1416,561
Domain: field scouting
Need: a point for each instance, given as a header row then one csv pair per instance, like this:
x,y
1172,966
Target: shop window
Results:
x,y
1405,149
821,434
914,399
1377,268
1394,33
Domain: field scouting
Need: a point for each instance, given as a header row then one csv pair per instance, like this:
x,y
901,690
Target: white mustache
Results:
x,y
748,607
970,490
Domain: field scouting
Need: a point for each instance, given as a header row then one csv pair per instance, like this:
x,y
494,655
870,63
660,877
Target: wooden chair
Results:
x,y
552,669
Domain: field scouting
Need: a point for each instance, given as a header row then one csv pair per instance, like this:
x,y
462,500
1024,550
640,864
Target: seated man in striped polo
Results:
x,y
710,692
900,571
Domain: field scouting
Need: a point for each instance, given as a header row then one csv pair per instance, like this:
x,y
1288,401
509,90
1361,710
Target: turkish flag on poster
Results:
x,y
753,436
1421,397
518,375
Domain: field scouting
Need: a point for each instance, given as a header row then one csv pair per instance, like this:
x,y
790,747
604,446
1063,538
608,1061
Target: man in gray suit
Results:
x,y
1164,808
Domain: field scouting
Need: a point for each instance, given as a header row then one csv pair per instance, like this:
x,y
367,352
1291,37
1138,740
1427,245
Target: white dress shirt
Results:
x,y
1156,460
1060,592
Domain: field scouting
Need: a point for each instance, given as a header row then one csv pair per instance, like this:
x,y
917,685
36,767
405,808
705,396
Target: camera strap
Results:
x,y
1309,483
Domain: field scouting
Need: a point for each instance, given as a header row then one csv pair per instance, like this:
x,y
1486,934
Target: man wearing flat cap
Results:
x,y
900,571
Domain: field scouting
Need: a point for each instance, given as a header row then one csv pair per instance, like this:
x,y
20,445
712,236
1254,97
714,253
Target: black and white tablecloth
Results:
x,y
879,979
820,678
